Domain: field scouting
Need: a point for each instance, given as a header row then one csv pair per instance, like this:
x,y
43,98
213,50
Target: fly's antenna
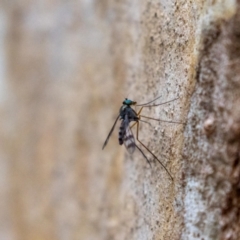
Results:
x,y
155,105
149,102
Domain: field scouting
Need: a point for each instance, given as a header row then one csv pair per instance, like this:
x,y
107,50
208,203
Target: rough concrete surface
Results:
x,y
66,67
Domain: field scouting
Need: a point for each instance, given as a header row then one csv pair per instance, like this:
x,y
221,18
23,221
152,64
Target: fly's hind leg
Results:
x,y
137,137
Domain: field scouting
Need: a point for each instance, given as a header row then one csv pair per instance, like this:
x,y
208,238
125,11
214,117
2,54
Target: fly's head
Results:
x,y
128,102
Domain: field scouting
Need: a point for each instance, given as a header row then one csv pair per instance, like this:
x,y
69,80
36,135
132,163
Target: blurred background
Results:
x,y
58,87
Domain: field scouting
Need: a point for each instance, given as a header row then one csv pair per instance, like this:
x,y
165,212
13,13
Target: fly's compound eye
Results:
x,y
127,102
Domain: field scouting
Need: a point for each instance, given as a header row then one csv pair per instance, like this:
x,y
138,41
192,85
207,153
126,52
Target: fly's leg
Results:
x,y
161,120
151,152
138,114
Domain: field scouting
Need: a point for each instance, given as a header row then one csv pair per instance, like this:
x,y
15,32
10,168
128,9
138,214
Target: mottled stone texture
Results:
x,y
65,68
212,146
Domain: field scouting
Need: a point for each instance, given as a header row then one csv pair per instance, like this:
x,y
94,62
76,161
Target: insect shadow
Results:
x,y
126,116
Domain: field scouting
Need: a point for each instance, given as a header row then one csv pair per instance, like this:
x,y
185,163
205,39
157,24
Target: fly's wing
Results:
x,y
110,133
129,140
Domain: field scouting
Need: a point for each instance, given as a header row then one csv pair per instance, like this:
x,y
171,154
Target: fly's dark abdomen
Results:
x,y
127,115
121,134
